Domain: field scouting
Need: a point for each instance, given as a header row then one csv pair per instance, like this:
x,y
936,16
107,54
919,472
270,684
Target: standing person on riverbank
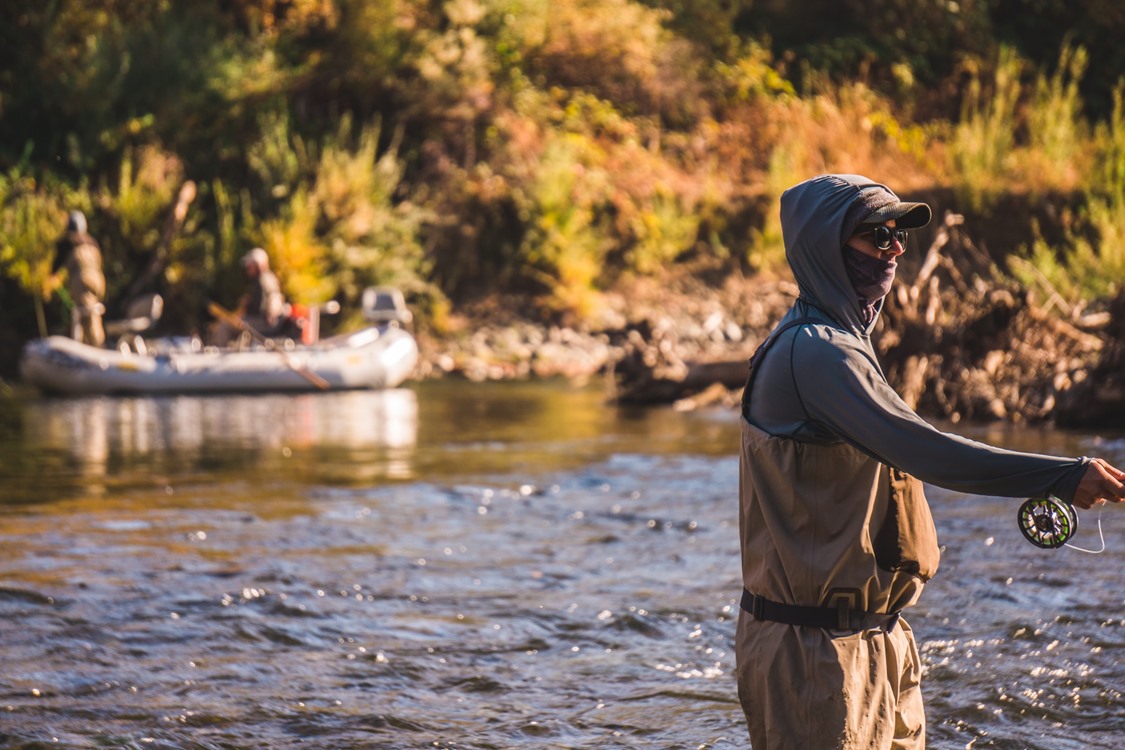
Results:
x,y
79,255
836,534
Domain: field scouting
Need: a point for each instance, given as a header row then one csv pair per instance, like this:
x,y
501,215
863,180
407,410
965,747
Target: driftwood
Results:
x,y
1098,398
965,341
163,251
697,377
650,370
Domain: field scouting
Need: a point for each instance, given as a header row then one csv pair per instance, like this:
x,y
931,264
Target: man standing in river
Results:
x,y
836,534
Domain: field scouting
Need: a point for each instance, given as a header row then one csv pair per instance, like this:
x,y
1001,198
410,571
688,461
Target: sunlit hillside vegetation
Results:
x,y
466,147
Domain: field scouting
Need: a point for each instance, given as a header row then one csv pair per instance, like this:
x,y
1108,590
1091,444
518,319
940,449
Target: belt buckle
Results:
x,y
843,614
846,603
758,608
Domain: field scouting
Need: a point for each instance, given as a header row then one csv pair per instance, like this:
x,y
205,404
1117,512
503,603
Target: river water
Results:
x,y
470,566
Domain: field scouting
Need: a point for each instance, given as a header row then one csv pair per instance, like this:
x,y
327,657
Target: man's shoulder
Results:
x,y
819,331
820,342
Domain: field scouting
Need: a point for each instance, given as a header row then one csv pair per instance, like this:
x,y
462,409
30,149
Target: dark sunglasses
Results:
x,y
883,235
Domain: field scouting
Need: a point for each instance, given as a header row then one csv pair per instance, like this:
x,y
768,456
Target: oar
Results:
x,y
236,320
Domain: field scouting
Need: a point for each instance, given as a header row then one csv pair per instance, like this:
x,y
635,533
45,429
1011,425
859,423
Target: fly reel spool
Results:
x,y
1047,522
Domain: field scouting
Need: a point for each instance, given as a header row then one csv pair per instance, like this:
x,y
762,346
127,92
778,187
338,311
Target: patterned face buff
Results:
x,y
871,277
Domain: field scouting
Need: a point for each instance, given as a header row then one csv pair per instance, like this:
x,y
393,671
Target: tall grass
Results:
x,y
1090,263
1057,132
982,142
767,246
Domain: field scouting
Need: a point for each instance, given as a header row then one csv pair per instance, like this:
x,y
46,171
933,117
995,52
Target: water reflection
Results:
x,y
93,428
91,439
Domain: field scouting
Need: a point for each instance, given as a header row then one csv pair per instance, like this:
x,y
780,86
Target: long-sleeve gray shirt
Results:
x,y
821,382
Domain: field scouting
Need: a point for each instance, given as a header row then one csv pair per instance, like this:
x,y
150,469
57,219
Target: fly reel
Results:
x,y
1047,522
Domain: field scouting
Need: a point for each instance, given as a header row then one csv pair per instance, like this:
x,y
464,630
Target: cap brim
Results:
x,y
907,215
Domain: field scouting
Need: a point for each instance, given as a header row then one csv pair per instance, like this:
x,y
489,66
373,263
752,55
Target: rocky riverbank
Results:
x,y
958,340
659,339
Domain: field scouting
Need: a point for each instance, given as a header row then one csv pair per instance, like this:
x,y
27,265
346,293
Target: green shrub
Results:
x,y
1090,263
342,225
621,52
32,217
138,247
566,244
663,228
751,76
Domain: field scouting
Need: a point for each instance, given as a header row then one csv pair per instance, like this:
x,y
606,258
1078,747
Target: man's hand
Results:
x,y
1101,483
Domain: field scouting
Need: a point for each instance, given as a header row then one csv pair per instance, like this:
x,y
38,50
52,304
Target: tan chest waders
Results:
x,y
834,546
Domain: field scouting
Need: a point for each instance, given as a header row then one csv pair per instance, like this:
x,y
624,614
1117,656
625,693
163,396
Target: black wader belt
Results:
x,y
829,618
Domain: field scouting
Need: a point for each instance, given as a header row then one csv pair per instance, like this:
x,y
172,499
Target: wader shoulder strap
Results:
x,y
760,353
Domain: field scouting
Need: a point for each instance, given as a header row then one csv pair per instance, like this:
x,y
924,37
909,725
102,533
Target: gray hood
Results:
x,y
813,214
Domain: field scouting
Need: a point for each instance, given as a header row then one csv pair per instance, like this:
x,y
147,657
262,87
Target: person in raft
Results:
x,y
262,307
836,534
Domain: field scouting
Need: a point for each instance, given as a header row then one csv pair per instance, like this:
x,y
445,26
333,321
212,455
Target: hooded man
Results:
x,y
836,534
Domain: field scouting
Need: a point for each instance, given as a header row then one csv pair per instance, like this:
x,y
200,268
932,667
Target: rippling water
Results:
x,y
468,566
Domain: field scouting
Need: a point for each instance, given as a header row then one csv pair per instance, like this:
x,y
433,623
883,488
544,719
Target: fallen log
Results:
x,y
648,388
